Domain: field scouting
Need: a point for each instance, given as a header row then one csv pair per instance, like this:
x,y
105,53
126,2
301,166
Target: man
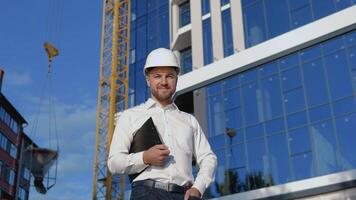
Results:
x,y
165,169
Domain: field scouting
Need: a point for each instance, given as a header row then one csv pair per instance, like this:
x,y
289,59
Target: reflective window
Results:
x,y
254,24
346,127
272,101
205,7
291,79
303,166
275,126
300,12
338,75
224,2
263,21
184,14
279,159
344,106
296,119
253,132
186,60
322,8
207,42
319,113
299,140
315,82
252,112
227,32
275,23
325,147
232,98
294,100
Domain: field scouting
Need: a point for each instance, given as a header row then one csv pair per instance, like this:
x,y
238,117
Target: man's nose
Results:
x,y
164,81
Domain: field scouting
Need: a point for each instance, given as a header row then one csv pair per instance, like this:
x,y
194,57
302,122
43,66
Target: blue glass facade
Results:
x,y
286,120
265,19
149,30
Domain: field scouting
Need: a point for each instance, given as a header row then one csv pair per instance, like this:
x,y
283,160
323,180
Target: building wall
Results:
x,y
290,102
12,182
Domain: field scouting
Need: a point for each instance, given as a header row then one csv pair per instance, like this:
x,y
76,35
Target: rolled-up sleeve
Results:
x,y
119,159
206,159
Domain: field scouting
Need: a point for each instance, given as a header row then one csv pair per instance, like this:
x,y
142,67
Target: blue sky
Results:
x,y
75,28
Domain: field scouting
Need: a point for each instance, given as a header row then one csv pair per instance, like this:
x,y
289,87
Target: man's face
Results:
x,y
162,82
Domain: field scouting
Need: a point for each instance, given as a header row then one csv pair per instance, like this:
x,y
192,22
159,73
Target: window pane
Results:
x,y
291,79
302,166
276,24
184,14
346,127
299,140
344,106
217,142
205,6
237,156
255,30
232,98
186,60
207,42
268,69
338,75
294,100
296,119
233,118
250,102
319,113
275,126
324,147
272,99
258,162
322,8
253,132
288,61
279,159
256,155
300,12
352,57
310,53
227,33
333,45
315,84
248,76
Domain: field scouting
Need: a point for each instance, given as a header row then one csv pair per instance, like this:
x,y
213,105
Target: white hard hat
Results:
x,y
161,57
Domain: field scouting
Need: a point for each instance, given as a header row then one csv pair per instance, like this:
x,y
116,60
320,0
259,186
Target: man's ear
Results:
x,y
147,81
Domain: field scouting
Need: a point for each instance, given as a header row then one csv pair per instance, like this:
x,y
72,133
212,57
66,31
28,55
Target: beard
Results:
x,y
162,95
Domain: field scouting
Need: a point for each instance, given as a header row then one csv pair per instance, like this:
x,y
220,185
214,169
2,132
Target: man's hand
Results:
x,y
156,155
192,192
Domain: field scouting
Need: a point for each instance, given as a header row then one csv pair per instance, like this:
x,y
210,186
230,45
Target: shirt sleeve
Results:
x,y
206,159
119,160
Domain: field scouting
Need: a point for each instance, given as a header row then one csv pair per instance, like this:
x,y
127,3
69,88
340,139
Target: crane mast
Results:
x,y
112,95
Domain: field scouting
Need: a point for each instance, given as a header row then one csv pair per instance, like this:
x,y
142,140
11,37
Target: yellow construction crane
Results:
x,y
113,93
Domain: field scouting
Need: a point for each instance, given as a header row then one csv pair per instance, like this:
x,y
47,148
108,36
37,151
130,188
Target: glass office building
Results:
x,y
273,84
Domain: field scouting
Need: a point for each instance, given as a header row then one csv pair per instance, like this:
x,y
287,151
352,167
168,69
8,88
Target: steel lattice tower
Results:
x,y
113,93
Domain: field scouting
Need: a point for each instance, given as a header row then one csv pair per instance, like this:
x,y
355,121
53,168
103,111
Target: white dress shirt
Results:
x,y
179,131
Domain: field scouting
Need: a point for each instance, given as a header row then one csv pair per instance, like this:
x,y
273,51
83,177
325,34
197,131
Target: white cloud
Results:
x,y
76,125
18,78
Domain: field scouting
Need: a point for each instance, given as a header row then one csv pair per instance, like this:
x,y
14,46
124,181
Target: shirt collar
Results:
x,y
150,103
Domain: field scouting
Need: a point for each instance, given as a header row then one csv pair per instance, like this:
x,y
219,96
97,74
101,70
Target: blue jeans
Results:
x,y
149,193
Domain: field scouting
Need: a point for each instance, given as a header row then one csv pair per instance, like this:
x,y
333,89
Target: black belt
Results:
x,y
169,187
